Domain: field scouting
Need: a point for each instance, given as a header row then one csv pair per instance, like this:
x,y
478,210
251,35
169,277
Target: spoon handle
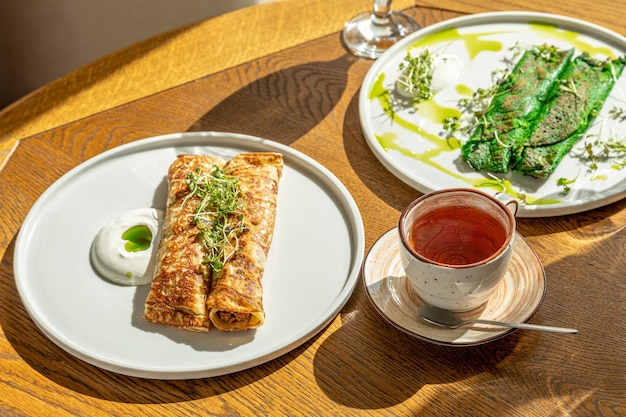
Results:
x,y
526,326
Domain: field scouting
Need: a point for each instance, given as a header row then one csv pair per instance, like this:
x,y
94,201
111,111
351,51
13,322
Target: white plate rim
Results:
x,y
323,176
600,33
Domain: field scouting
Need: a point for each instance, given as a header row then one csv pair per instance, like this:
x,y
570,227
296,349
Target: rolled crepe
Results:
x,y
180,285
235,301
568,114
514,107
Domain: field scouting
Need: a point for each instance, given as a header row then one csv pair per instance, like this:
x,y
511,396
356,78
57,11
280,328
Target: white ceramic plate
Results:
x,y
311,270
411,146
517,297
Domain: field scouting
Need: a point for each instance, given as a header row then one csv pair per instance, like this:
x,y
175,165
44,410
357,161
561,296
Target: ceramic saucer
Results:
x,y
517,298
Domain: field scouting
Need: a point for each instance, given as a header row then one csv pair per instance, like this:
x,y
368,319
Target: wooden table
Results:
x,y
209,76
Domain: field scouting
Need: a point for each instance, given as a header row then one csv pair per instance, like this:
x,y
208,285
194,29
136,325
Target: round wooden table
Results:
x,y
279,71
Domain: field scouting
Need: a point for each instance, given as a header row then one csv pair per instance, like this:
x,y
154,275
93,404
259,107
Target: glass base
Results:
x,y
369,37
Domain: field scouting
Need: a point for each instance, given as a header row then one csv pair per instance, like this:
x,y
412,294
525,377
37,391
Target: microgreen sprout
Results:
x,y
609,148
473,109
416,75
548,53
502,144
569,86
618,114
504,184
565,183
218,215
493,181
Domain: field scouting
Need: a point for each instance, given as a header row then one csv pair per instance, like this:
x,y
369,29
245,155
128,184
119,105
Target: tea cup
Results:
x,y
456,245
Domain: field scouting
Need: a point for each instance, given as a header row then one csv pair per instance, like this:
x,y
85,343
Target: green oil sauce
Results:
x,y
436,113
430,110
504,186
552,32
532,201
390,141
464,90
138,238
474,44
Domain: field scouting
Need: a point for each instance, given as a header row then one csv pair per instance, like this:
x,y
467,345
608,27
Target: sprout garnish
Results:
x,y
219,214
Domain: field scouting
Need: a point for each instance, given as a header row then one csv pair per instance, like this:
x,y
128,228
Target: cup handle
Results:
x,y
510,202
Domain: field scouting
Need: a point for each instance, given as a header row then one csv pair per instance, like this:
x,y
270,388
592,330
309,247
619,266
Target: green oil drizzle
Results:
x,y
552,32
138,238
434,112
464,90
473,42
533,201
504,186
429,110
390,141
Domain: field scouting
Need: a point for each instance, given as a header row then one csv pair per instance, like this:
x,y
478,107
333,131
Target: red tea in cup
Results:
x,y
457,235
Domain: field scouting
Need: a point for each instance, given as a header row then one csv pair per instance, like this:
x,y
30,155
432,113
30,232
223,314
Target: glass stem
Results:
x,y
382,12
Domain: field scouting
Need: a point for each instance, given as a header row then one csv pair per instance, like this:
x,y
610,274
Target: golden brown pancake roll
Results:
x,y
180,285
235,301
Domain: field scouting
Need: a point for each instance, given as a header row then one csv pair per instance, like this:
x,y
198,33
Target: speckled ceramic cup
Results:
x,y
456,245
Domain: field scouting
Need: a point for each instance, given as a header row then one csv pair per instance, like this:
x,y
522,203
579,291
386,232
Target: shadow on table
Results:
x,y
284,105
368,168
386,367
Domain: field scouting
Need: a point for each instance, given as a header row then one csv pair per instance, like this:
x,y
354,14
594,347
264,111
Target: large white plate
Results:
x,y
311,269
410,145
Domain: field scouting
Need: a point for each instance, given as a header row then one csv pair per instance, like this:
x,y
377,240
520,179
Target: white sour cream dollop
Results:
x,y
110,252
446,70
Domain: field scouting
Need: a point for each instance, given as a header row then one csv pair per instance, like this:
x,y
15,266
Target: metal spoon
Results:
x,y
445,318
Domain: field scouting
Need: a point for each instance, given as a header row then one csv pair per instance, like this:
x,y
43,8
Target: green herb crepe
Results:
x,y
583,88
514,108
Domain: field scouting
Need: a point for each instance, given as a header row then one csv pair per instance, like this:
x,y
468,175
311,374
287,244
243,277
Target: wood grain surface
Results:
x,y
304,94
